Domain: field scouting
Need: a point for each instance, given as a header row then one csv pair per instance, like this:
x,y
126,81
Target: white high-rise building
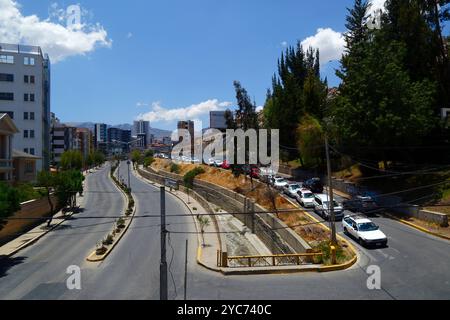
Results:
x,y
25,97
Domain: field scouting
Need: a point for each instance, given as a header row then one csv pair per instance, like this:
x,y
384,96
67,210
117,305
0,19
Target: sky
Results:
x,y
169,60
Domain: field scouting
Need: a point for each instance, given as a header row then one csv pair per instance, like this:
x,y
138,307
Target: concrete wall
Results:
x,y
31,209
283,240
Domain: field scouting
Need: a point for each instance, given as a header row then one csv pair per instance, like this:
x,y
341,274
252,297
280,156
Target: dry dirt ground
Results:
x,y
298,220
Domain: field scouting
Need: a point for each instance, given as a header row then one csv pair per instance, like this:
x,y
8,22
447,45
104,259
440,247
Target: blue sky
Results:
x,y
177,53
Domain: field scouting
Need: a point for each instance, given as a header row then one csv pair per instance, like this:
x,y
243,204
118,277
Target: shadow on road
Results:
x,y
7,263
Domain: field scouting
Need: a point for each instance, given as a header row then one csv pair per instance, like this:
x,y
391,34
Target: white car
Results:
x,y
322,207
292,189
280,183
211,162
365,231
305,198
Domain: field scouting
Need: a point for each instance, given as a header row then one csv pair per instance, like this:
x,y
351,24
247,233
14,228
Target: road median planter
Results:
x,y
105,246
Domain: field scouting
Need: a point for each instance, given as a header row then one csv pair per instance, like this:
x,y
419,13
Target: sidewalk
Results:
x,y
11,248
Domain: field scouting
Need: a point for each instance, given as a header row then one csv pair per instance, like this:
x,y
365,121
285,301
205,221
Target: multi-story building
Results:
x,y
25,97
64,138
7,131
119,140
189,126
141,127
167,141
84,137
101,137
217,120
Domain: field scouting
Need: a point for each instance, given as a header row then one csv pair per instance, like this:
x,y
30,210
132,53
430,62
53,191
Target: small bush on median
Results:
x,y
108,240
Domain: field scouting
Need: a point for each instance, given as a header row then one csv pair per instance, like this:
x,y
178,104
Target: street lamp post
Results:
x,y
129,182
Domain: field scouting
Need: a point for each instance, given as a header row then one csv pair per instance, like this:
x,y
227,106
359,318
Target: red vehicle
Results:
x,y
226,165
255,173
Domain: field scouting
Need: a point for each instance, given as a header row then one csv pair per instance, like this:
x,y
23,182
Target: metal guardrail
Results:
x,y
223,260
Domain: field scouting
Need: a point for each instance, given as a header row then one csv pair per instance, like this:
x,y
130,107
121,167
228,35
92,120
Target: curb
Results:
x,y
343,266
37,238
262,271
95,257
415,226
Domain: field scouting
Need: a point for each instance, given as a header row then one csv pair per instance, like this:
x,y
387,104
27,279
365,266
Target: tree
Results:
x,y
136,157
71,160
9,202
310,141
204,223
381,103
98,158
297,90
47,180
246,115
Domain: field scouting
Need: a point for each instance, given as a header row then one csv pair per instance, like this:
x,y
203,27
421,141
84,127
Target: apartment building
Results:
x,y
189,126
7,131
119,140
85,139
101,137
63,138
25,97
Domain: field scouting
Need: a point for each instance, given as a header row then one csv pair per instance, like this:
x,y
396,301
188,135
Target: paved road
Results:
x,y
40,270
415,266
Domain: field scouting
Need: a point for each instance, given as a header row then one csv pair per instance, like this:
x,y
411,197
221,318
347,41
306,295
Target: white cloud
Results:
x,y
195,111
377,5
56,39
129,35
260,108
142,104
330,43
284,44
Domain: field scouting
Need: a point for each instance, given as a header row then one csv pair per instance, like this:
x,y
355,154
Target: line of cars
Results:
x,y
310,196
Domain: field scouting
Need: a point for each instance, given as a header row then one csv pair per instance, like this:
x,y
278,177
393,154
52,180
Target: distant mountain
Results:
x,y
158,133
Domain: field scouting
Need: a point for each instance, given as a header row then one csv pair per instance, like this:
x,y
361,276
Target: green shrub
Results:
x,y
174,168
189,177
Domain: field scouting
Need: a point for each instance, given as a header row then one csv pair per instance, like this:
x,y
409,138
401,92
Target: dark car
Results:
x,y
315,185
361,204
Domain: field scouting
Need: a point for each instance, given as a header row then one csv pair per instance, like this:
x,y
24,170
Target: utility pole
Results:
x,y
163,265
331,196
185,271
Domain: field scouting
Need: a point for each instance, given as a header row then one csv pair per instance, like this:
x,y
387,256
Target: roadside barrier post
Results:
x,y
225,259
333,255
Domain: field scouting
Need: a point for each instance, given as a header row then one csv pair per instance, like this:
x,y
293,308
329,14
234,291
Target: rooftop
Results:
x,y
19,48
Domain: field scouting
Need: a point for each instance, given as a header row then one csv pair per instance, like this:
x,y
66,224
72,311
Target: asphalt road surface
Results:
x,y
414,266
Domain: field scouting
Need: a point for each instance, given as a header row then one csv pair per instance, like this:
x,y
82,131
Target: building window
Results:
x,y
28,97
25,79
32,79
32,134
9,113
29,168
25,116
31,115
6,77
28,61
25,133
32,151
8,96
6,59
25,150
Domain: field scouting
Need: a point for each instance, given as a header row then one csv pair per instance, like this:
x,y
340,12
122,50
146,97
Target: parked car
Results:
x,y
323,208
255,173
225,165
315,185
292,189
361,204
305,198
211,162
365,231
280,183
